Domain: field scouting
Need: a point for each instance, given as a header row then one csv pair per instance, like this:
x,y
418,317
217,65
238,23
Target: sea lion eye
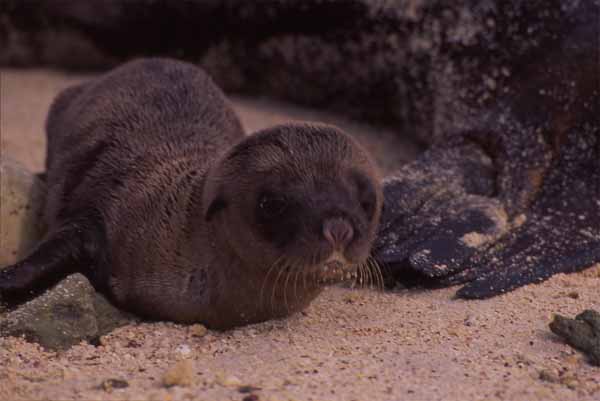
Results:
x,y
368,206
366,194
272,205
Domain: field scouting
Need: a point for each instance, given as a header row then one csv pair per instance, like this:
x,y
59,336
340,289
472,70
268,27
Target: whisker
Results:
x,y
281,270
361,274
369,272
266,278
288,273
380,271
304,274
377,273
313,271
373,271
299,268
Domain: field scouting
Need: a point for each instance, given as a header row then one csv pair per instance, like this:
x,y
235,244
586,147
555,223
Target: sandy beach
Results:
x,y
350,344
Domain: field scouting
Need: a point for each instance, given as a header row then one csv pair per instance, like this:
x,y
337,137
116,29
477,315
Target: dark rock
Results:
x,y
108,317
109,385
582,333
65,315
414,63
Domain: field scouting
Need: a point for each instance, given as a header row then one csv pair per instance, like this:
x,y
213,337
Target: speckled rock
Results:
x,y
583,332
108,317
422,55
65,315
21,210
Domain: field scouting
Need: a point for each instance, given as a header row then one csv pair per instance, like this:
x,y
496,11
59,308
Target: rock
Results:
x,y
248,389
58,319
550,376
181,374
228,381
65,315
109,385
108,316
198,330
71,311
582,333
423,56
21,211
183,350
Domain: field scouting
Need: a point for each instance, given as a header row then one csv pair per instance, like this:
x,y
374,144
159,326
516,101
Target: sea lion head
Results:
x,y
302,198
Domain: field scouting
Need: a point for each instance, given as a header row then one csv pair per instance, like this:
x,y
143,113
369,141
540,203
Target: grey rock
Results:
x,y
65,315
582,333
108,317
21,209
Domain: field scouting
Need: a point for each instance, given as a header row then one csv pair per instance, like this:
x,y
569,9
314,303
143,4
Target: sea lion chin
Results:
x,y
158,197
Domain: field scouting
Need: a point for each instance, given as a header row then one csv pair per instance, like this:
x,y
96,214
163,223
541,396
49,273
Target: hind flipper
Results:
x,y
63,252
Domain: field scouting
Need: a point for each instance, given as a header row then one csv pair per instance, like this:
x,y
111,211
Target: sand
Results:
x,y
350,344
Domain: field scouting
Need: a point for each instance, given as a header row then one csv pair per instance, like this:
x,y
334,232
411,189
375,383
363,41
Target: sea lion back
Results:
x,y
150,109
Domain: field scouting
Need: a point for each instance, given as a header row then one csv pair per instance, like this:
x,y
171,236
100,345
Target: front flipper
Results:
x,y
560,234
557,241
63,252
477,244
438,212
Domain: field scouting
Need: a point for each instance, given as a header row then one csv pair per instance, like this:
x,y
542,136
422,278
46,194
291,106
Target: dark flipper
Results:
x,y
561,233
438,213
558,233
62,252
565,239
510,274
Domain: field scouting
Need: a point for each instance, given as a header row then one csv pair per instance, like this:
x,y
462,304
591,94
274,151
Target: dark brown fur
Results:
x,y
156,194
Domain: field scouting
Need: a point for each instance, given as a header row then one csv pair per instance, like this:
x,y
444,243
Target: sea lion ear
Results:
x,y
215,206
214,196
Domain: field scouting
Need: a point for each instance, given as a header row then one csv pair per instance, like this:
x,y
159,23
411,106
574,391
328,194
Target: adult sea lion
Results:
x,y
157,196
511,195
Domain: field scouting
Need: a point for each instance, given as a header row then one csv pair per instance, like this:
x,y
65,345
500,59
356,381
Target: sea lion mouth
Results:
x,y
336,269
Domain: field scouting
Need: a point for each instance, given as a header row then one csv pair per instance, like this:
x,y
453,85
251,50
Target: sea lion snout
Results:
x,y
338,232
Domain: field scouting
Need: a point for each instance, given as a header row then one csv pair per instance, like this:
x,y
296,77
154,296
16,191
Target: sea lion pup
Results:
x,y
156,195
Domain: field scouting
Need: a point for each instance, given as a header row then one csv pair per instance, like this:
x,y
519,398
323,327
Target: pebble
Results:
x,y
198,330
183,350
109,385
229,381
181,374
550,376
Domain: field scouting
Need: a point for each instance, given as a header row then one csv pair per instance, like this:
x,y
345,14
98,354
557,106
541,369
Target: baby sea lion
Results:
x,y
157,196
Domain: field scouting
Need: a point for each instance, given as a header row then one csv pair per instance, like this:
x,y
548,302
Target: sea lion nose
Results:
x,y
338,232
